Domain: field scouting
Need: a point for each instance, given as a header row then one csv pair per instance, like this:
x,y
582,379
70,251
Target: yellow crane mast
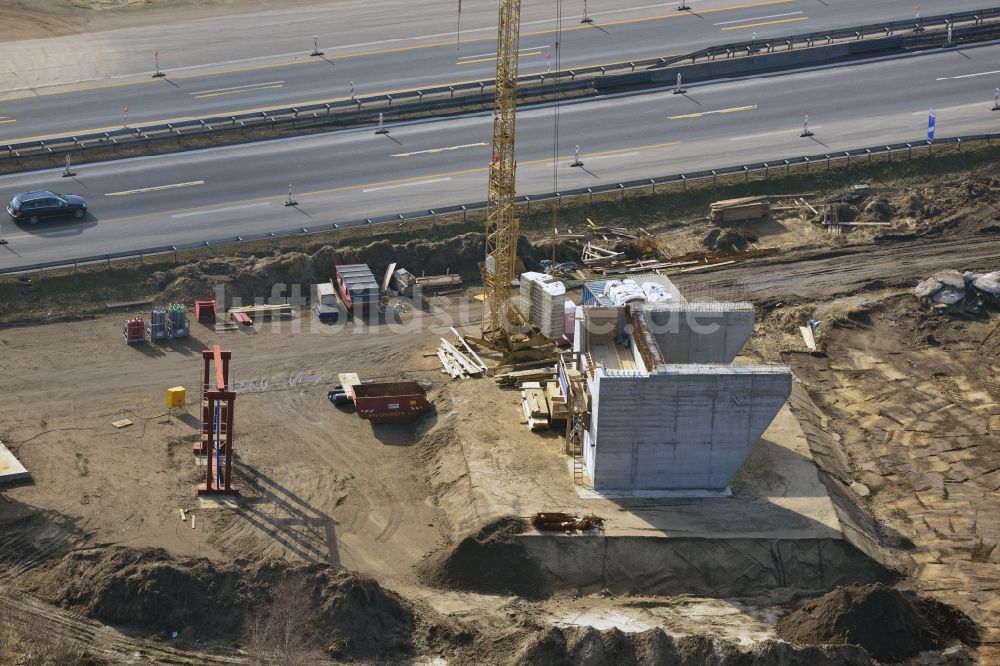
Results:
x,y
502,225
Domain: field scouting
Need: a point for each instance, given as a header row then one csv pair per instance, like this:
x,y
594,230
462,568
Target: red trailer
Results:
x,y
390,402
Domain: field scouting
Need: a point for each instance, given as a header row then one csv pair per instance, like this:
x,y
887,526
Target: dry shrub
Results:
x,y
284,631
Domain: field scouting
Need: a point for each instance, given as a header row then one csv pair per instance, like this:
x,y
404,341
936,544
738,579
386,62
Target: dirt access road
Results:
x,y
825,275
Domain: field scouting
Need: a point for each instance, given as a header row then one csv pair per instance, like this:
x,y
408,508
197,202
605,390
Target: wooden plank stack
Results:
x,y
518,377
261,310
459,363
536,411
739,210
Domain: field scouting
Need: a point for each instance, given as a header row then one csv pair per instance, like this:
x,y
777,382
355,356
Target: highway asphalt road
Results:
x,y
349,175
223,66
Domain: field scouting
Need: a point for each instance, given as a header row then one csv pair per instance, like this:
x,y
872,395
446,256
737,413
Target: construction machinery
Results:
x,y
502,225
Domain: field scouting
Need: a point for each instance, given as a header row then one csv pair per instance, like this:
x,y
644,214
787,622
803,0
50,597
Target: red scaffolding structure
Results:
x,y
217,404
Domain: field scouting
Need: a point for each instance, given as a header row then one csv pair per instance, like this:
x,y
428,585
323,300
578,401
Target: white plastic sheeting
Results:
x,y
624,291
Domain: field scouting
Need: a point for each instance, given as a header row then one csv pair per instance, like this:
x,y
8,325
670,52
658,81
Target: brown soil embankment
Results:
x,y
151,591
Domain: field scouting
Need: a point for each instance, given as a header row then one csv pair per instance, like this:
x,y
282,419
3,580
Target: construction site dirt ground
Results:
x,y
882,467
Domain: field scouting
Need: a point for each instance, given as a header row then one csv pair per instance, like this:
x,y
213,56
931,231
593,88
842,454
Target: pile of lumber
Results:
x,y
622,266
612,250
458,359
543,404
536,411
431,282
560,522
263,311
737,210
519,377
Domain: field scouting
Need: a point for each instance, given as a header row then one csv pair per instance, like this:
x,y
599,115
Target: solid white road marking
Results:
x,y
790,131
973,105
763,23
758,18
155,189
521,54
441,150
419,182
735,109
967,76
249,85
494,55
591,158
221,210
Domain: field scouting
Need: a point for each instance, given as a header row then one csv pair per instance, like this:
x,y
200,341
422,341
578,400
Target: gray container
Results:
x,y
157,328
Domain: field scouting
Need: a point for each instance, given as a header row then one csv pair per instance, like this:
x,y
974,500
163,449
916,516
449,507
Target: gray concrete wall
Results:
x,y
701,332
686,427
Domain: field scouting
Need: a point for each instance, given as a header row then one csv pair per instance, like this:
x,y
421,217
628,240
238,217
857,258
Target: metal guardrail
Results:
x,y
878,30
524,200
367,108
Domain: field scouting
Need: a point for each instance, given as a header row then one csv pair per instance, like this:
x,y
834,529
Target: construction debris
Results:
x,y
946,289
618,250
11,468
563,522
459,364
808,337
121,423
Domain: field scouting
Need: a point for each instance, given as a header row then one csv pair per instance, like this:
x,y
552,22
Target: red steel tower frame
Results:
x,y
216,424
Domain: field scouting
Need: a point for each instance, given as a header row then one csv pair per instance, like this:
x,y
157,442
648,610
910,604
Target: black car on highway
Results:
x,y
35,206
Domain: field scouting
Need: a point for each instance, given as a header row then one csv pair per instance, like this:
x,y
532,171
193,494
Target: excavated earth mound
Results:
x,y
150,590
250,278
890,625
491,561
587,646
729,240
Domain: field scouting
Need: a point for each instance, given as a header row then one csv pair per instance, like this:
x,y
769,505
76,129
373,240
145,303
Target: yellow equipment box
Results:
x,y
176,396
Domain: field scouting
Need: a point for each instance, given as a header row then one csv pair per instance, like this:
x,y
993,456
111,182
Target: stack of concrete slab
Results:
x,y
542,300
527,282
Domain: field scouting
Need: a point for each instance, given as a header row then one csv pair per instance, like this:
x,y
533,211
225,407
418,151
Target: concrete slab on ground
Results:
x,y
11,468
777,494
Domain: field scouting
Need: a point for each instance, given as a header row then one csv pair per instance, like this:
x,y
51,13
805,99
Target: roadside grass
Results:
x,y
58,294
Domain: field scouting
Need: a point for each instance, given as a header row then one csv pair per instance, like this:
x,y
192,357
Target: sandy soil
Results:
x,y
920,422
318,484
911,399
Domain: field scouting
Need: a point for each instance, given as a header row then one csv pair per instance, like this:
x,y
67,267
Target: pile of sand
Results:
x,y
889,624
491,561
150,590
